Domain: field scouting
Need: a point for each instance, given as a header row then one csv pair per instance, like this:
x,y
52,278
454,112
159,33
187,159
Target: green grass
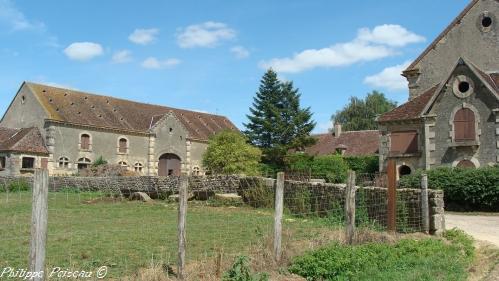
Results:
x,y
88,230
408,259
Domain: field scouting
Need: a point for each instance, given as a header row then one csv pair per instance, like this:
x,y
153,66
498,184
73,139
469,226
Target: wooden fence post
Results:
x,y
392,195
39,216
350,207
424,203
182,212
279,202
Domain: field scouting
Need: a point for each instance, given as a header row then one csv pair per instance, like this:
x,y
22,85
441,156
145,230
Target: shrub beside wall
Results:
x,y
464,189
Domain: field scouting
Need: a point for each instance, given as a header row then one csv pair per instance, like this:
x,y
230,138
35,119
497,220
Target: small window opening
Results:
x,y
23,99
123,164
170,172
404,170
171,130
123,146
464,86
63,162
28,163
138,167
2,163
486,21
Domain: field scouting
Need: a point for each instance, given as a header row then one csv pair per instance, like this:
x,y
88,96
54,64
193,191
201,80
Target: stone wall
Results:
x,y
302,198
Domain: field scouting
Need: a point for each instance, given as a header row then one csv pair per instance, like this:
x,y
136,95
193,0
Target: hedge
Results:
x,y
464,189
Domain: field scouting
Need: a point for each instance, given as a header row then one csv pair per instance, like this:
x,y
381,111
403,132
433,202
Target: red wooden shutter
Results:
x,y
85,141
404,142
464,125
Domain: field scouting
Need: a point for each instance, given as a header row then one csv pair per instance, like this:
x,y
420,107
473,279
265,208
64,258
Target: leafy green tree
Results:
x,y
360,114
277,123
228,152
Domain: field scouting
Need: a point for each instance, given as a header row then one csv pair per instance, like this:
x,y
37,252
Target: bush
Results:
x,y
427,259
16,186
363,164
332,168
464,189
240,271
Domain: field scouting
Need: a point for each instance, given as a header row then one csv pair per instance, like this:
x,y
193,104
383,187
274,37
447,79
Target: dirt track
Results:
x,y
480,227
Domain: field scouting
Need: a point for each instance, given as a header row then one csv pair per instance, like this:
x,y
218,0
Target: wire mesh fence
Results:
x,y
225,218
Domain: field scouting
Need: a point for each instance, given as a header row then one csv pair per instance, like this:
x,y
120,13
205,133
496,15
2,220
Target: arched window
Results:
x,y
196,171
138,167
123,145
465,164
83,163
63,162
85,141
123,164
464,125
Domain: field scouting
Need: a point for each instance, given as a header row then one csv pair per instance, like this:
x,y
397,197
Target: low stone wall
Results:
x,y
300,197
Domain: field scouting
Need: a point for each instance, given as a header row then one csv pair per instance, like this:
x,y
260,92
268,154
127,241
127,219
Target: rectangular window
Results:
x,y
85,142
404,142
28,163
123,146
2,163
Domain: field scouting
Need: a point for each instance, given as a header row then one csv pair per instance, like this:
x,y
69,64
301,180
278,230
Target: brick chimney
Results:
x,y
337,129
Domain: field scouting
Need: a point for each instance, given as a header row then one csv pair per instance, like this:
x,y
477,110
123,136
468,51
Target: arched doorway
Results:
x,y
465,164
169,165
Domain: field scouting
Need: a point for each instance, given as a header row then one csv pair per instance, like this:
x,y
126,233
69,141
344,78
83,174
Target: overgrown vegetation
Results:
x,y
407,259
15,186
240,271
464,189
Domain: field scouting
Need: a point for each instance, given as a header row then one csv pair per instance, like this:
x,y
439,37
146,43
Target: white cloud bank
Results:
x,y
208,34
143,36
389,78
122,56
83,51
15,19
154,63
240,52
380,42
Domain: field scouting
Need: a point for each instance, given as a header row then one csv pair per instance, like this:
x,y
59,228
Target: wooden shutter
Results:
x,y
45,162
404,142
464,125
85,141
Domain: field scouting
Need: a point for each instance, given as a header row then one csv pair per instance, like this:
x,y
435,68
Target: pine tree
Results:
x,y
277,123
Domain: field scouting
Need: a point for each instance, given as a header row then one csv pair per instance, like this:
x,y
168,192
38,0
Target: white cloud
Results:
x,y
143,36
369,45
11,16
240,52
122,56
389,34
83,51
207,34
154,63
389,78
323,127
341,54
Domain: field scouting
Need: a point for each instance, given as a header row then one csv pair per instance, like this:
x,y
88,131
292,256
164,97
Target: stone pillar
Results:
x,y
429,142
151,160
437,218
188,166
50,142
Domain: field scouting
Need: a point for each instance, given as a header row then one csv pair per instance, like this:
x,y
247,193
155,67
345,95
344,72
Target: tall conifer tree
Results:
x,y
277,123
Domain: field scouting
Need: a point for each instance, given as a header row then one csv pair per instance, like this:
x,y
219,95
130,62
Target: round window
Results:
x,y
462,86
485,21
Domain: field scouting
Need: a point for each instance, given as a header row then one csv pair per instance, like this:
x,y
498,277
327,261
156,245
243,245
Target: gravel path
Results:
x,y
480,227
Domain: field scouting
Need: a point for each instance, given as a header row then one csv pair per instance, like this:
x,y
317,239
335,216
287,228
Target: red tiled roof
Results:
x,y
28,140
357,143
433,44
82,108
411,109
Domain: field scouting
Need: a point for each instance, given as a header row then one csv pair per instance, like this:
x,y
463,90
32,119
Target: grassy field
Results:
x,y
87,230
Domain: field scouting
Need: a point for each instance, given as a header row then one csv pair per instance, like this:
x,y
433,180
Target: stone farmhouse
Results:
x,y
452,116
348,143
66,130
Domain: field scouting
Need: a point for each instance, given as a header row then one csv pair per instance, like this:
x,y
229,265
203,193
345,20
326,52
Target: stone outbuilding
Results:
x,y
452,116
77,128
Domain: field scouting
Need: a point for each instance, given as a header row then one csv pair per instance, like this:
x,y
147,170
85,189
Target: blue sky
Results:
x,y
210,55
